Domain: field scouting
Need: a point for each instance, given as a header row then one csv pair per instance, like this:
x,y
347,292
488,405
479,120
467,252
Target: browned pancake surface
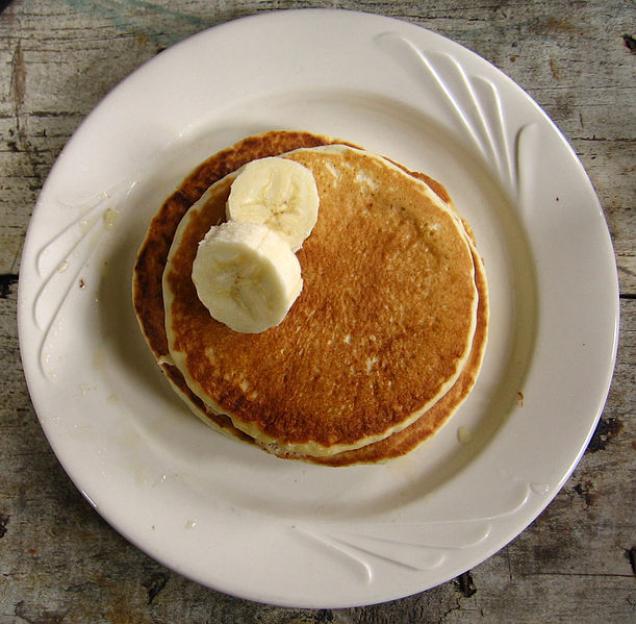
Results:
x,y
382,324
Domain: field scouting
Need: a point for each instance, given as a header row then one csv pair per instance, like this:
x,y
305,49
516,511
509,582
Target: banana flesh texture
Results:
x,y
279,193
246,275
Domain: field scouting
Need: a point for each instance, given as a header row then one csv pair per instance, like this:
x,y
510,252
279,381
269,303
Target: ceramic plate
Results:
x,y
226,514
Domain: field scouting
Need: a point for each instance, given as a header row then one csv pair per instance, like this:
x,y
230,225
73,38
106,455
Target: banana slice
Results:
x,y
246,276
278,193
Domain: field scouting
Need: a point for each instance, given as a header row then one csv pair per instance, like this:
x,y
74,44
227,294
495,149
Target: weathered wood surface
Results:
x,y
60,563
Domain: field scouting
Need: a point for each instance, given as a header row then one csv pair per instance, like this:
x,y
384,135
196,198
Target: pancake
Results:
x,y
381,332
149,307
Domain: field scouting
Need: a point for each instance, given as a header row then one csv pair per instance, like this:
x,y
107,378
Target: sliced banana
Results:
x,y
279,193
246,276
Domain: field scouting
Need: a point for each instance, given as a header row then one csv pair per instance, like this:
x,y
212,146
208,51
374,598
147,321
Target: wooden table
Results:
x,y
61,563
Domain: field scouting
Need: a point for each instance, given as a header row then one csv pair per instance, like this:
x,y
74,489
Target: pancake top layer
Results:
x,y
380,332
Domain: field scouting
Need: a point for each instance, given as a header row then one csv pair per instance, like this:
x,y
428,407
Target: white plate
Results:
x,y
231,516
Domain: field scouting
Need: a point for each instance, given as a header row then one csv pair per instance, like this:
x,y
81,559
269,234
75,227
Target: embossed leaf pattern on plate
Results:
x,y
474,107
413,546
60,260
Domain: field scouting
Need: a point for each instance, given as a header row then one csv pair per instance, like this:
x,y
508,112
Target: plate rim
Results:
x,y
23,330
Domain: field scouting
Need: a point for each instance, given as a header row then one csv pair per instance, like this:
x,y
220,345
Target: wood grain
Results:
x,y
60,563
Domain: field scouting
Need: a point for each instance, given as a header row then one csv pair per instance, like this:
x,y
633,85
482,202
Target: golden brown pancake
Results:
x,y
382,329
148,300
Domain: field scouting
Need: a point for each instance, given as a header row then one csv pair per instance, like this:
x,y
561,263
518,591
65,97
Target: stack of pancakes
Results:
x,y
384,342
